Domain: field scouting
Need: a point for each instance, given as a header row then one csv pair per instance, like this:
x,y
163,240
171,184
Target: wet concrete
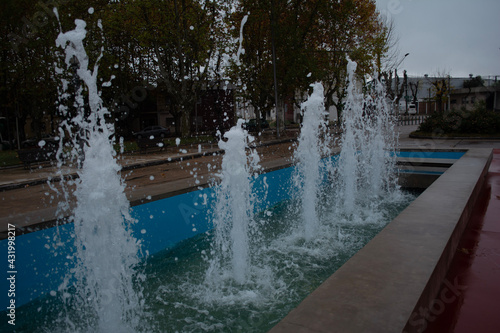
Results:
x,y
469,297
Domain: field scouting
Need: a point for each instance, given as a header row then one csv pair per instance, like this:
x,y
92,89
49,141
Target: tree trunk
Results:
x,y
280,121
185,123
177,119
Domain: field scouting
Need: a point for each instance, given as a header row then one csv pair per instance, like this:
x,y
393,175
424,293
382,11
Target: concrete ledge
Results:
x,y
390,284
444,163
416,181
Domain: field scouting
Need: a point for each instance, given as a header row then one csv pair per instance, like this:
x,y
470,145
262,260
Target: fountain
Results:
x,y
106,253
313,144
366,165
233,214
246,273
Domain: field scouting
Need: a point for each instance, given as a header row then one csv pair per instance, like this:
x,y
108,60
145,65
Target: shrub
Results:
x,y
478,121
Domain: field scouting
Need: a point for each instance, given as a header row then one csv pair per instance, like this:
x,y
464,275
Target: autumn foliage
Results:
x,y
181,48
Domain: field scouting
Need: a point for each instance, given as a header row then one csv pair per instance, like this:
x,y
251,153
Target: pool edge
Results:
x,y
391,284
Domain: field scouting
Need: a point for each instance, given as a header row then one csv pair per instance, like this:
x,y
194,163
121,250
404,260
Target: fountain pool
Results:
x,y
175,236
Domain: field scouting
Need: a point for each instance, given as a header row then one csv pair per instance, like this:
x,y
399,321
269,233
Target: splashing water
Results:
x,y
366,163
233,215
106,253
380,143
241,50
308,155
256,267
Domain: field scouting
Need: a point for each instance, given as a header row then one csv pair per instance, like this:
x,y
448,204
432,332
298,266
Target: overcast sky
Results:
x,y
456,37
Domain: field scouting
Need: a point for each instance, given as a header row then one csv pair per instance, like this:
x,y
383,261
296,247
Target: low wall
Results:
x,y
390,284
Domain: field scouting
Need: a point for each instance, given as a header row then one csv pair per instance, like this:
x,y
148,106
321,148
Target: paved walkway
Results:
x,y
407,142
469,298
18,177
27,198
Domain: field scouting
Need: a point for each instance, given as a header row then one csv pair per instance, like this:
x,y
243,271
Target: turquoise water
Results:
x,y
432,154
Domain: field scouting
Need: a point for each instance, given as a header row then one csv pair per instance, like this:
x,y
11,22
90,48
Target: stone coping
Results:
x,y
392,283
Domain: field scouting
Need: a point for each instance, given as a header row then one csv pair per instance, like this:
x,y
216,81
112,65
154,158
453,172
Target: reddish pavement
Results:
x,y
469,300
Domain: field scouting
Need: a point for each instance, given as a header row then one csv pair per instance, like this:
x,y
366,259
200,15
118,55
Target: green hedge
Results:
x,y
478,121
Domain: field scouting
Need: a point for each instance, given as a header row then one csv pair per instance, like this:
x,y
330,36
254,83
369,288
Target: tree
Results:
x,y
346,28
282,28
253,73
181,42
28,57
441,86
311,37
183,48
395,91
387,52
474,82
414,86
27,81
